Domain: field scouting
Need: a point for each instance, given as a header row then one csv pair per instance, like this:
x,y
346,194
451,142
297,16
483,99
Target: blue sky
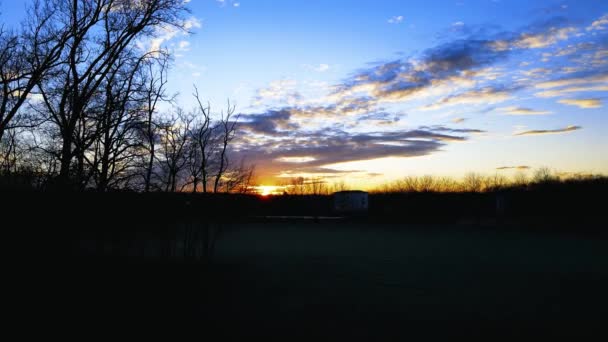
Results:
x,y
371,91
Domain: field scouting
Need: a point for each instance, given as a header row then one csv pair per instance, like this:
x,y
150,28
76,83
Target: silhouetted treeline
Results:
x,y
553,202
544,199
477,182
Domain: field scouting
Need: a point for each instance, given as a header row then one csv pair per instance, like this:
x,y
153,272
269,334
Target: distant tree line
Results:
x,y
478,183
317,186
472,182
80,99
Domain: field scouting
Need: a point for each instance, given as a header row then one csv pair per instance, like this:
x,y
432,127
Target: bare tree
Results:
x,y
8,150
154,92
339,186
296,186
473,182
100,33
426,184
544,175
495,182
226,126
174,140
209,159
118,131
520,179
239,179
203,141
26,58
446,184
317,186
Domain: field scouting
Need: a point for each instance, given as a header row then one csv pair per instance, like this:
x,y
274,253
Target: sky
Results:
x,y
367,92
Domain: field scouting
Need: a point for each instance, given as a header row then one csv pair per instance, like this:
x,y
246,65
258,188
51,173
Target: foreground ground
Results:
x,y
365,282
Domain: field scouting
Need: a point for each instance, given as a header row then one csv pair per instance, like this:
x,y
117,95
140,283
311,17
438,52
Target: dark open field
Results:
x,y
309,281
106,261
371,281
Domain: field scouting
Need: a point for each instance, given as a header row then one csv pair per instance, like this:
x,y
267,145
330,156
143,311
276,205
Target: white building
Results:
x,y
351,201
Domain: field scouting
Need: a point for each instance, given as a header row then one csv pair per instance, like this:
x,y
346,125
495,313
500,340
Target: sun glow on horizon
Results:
x,y
267,190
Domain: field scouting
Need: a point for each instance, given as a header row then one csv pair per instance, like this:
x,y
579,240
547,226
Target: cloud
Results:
x,y
543,39
270,123
565,91
281,90
339,109
194,69
284,147
461,62
183,45
233,3
522,111
396,19
380,118
458,120
519,167
166,33
296,160
441,128
536,72
582,103
318,68
538,36
585,78
567,129
599,24
488,95
573,49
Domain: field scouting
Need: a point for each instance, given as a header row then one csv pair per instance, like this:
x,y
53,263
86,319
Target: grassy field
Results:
x,y
339,281
366,282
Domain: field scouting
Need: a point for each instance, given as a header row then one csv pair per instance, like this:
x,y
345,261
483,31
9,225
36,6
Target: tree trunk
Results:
x,y
66,160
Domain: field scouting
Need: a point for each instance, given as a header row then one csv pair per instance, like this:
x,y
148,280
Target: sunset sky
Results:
x,y
372,91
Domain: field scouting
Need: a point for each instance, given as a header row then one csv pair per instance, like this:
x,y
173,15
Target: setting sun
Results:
x,y
266,190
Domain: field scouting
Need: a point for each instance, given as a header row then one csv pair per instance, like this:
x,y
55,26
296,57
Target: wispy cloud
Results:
x,y
167,33
462,63
586,78
567,129
566,91
600,24
488,95
183,46
232,3
522,111
543,39
519,167
318,67
582,103
279,90
396,19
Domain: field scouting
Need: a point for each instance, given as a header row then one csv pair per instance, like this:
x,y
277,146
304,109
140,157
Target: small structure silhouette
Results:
x,y
351,202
